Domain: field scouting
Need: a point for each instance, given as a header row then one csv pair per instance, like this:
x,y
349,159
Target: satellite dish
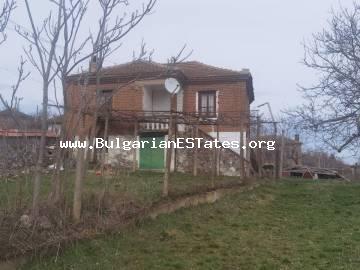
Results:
x,y
172,85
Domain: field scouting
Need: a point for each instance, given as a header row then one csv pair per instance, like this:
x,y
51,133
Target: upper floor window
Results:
x,y
105,100
207,103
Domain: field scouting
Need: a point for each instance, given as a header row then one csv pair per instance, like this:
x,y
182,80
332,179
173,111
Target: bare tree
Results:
x,y
15,155
5,12
172,61
104,43
44,39
52,62
333,104
73,12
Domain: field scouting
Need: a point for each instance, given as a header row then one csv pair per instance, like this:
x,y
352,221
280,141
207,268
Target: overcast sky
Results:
x,y
264,36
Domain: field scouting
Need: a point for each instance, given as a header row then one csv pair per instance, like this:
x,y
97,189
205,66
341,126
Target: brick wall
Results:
x,y
232,101
232,96
126,97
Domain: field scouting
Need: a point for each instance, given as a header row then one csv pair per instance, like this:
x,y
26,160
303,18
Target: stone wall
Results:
x,y
228,164
118,157
18,154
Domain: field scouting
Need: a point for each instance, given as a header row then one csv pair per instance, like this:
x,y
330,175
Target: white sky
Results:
x,y
265,36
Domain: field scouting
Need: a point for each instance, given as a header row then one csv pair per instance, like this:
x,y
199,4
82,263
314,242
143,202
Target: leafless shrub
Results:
x,y
332,108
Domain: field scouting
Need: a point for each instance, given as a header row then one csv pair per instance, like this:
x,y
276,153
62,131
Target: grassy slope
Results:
x,y
143,187
288,225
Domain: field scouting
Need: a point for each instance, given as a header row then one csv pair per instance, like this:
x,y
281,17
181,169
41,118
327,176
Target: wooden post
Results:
x,y
103,151
175,138
277,154
355,171
259,150
195,163
218,151
214,165
136,131
242,162
247,159
91,153
78,187
168,153
282,152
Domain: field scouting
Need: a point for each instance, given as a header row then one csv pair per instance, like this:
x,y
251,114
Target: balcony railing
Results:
x,y
154,126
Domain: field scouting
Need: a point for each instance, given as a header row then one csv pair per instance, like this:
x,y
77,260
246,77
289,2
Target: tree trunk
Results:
x,y
39,163
78,183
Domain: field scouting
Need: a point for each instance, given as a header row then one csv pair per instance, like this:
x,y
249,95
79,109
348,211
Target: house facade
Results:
x,y
133,99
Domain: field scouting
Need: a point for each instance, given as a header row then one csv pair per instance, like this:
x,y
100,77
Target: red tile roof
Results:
x,y
196,69
23,133
192,71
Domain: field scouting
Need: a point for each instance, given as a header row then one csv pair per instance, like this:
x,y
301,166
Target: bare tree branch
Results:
x,y
5,12
14,103
144,54
333,104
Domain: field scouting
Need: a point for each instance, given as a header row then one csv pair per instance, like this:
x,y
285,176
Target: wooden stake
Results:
x,y
175,137
136,131
242,162
214,166
168,153
195,163
103,151
217,151
282,153
277,154
259,150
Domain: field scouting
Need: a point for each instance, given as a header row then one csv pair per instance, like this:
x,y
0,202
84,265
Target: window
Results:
x,y
207,103
105,100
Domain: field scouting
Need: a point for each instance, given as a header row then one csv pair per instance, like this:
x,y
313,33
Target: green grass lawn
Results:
x,y
285,225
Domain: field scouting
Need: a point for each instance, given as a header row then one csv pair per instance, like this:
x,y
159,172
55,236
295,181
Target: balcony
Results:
x,y
151,126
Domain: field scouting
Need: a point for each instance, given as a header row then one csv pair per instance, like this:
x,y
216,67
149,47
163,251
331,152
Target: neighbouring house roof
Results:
x,y
56,119
13,119
187,72
23,133
14,113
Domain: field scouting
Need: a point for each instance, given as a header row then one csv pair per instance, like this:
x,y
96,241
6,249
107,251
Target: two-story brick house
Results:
x,y
134,93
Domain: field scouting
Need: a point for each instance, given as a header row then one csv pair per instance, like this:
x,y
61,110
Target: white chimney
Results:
x,y
93,64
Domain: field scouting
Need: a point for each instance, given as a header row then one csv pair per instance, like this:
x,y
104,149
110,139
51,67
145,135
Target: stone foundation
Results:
x,y
229,161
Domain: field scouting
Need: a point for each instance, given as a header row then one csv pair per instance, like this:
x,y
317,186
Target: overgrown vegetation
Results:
x,y
285,225
144,187
130,197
